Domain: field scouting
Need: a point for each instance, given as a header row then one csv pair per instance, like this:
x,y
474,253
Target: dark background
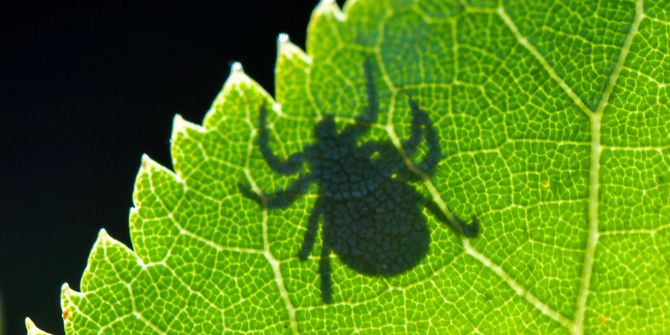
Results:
x,y
86,87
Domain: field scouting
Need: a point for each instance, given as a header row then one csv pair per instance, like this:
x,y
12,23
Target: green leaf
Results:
x,y
553,121
32,329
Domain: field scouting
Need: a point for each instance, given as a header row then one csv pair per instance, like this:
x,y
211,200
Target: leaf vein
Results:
x,y
538,56
594,173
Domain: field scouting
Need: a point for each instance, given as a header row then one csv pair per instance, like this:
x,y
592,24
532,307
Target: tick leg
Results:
x,y
324,269
312,228
280,198
429,162
419,118
391,158
284,198
288,167
364,120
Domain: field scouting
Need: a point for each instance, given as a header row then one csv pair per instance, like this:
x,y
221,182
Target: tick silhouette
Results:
x,y
372,217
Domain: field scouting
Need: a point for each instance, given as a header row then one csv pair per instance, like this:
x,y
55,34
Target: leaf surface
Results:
x,y
553,120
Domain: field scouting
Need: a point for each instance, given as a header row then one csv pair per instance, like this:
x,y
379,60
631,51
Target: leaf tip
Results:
x,y
283,39
103,237
177,121
329,7
178,126
181,125
285,48
65,289
147,167
32,329
67,293
236,68
147,164
145,159
325,3
30,325
237,74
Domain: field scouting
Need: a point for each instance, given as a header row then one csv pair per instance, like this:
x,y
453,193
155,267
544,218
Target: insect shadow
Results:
x,y
372,216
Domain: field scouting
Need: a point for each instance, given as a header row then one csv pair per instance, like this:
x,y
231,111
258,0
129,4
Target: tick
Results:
x,y
372,217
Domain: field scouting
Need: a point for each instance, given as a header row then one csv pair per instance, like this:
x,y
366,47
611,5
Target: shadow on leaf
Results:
x,y
372,217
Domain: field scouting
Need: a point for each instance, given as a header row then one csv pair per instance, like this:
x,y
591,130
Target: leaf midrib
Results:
x,y
596,151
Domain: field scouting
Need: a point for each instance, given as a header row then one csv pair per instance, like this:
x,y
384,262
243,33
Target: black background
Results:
x,y
86,87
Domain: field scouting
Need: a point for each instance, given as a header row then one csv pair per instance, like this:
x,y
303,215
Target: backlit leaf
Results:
x,y
553,119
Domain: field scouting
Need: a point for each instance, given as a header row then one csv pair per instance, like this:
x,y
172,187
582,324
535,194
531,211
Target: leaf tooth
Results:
x,y
237,75
285,48
236,67
236,78
149,166
326,26
106,241
68,302
329,8
180,125
103,236
32,329
67,291
283,38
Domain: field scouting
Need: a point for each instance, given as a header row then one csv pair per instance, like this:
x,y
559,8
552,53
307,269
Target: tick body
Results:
x,y
371,214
